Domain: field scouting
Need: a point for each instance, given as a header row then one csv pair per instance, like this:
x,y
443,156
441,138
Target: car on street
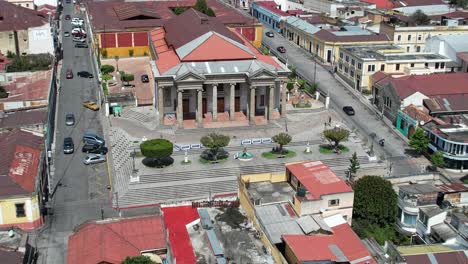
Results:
x,y
281,49
79,39
94,149
77,22
69,74
93,159
85,74
68,146
91,105
69,119
91,138
269,34
67,17
144,78
349,110
66,34
81,45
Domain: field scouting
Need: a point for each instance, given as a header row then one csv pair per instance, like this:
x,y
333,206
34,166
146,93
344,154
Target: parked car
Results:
x,y
349,110
67,17
144,78
69,74
91,105
91,138
85,74
93,159
81,45
94,149
68,146
269,34
69,119
281,49
79,39
66,34
77,22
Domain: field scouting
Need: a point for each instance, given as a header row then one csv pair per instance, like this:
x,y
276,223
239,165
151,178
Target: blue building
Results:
x,y
268,13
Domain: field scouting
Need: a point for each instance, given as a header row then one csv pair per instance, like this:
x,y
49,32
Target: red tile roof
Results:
x,y
314,20
320,247
176,219
111,241
328,36
417,114
31,88
318,179
19,18
453,187
383,4
20,159
167,57
19,119
272,6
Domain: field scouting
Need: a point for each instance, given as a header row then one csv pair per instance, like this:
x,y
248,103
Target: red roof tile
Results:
x,y
20,158
326,35
31,88
417,114
111,241
319,247
453,187
272,6
167,57
383,4
176,219
318,179
19,18
19,119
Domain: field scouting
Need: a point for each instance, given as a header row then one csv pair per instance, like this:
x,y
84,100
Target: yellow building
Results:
x,y
283,203
356,64
22,184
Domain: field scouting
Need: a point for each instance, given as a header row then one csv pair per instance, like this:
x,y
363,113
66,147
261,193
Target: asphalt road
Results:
x,y
365,121
81,190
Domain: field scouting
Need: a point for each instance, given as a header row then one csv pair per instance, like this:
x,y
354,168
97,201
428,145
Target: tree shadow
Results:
x,y
412,153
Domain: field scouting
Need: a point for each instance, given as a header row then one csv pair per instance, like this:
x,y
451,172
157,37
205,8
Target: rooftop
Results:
x,y
431,211
453,187
424,249
270,192
443,231
418,189
318,179
29,88
19,18
391,53
456,41
453,132
447,103
456,257
417,114
303,24
351,36
273,7
278,220
21,152
23,118
115,15
112,240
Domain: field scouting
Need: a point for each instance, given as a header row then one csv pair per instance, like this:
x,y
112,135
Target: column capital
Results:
x,y
180,90
233,84
200,90
215,84
271,86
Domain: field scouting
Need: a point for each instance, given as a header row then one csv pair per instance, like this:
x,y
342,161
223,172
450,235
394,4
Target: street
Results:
x,y
365,120
79,191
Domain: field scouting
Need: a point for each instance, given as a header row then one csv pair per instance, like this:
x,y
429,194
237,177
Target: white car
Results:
x,y
94,158
77,22
80,40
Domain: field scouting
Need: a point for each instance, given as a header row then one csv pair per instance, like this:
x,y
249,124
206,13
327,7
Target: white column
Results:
x,y
271,101
215,102
199,107
161,104
252,104
29,211
232,95
180,114
283,98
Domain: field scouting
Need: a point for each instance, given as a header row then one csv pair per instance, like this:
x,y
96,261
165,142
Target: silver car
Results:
x,y
69,119
94,158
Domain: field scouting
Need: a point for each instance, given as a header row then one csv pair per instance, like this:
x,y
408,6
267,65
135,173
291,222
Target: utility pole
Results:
x,y
117,202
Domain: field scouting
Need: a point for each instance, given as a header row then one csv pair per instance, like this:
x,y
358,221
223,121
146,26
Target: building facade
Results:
x,y
268,13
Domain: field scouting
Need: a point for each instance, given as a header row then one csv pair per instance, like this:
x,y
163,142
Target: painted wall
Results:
x,y
7,41
119,44
40,40
30,221
345,207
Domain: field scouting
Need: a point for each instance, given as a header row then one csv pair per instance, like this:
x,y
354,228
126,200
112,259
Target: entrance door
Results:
x,y
237,104
328,55
358,85
186,108
204,106
220,104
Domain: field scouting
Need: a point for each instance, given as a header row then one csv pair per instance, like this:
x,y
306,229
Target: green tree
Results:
x,y
420,18
282,139
290,86
210,12
215,142
354,165
201,6
106,77
104,53
3,92
336,135
131,52
419,140
138,260
127,77
106,69
157,151
375,201
459,3
179,10
437,158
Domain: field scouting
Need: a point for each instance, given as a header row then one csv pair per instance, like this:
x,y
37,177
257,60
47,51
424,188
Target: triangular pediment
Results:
x,y
188,76
263,74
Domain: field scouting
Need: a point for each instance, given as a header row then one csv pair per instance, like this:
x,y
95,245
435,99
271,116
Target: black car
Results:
x,y
349,110
94,148
68,146
269,34
281,49
81,45
144,78
85,74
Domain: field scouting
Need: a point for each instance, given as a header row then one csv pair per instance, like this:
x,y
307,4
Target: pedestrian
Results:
x,y
329,120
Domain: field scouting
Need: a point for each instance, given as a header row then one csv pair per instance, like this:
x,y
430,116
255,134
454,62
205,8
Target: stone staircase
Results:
x,y
144,119
120,156
200,184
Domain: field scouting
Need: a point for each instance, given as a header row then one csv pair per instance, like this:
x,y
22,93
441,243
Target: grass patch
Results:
x,y
205,161
327,149
104,88
271,155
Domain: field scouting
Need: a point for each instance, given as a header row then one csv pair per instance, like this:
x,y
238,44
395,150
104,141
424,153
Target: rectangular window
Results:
x,y
20,210
412,65
334,202
11,36
346,69
418,49
426,65
409,37
359,65
347,58
358,77
352,62
341,54
371,67
382,67
397,67
351,73
407,49
442,65
437,65
419,37
340,66
399,37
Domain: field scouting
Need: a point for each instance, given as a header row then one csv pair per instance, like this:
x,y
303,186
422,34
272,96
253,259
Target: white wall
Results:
x,y
40,40
43,2
415,99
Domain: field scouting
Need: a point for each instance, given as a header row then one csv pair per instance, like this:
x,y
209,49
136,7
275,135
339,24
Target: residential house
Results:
x,y
453,194
460,222
120,27
429,254
212,76
112,240
324,41
413,38
412,198
29,120
335,8
268,13
303,214
410,118
453,47
23,187
357,64
24,31
429,217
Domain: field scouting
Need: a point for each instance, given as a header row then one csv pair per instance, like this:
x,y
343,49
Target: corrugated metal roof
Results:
x,y
214,242
276,223
302,25
308,224
205,218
